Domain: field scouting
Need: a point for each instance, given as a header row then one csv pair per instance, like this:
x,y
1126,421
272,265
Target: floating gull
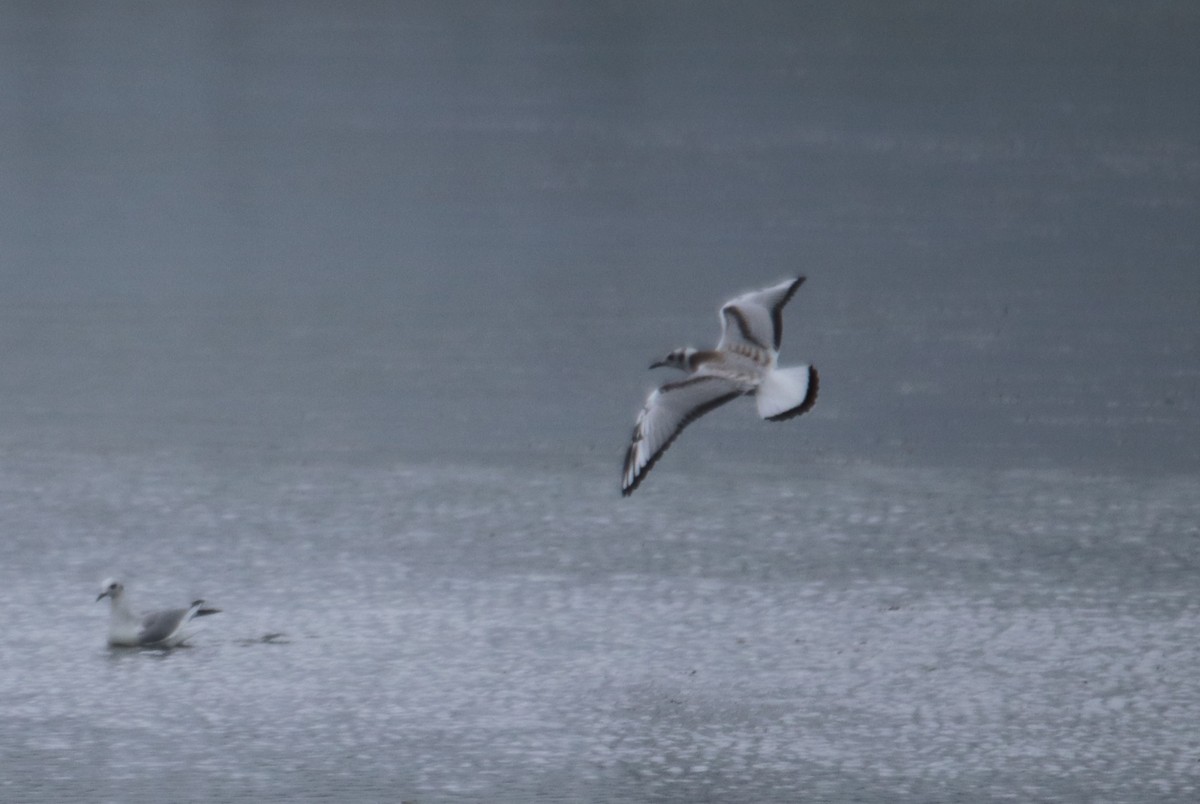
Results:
x,y
744,362
157,629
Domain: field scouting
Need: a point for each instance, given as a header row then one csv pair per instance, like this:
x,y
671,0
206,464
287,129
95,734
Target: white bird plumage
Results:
x,y
156,629
744,362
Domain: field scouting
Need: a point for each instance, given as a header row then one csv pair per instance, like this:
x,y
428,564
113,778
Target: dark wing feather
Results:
x,y
735,316
777,310
756,318
201,610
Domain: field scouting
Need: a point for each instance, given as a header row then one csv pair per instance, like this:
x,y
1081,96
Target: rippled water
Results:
x,y
453,634
338,319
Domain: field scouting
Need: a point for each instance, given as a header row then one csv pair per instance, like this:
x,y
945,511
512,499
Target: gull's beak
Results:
x,y
102,595
658,364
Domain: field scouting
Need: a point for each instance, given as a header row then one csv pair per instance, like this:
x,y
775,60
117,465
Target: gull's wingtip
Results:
x,y
629,477
793,287
790,285
200,610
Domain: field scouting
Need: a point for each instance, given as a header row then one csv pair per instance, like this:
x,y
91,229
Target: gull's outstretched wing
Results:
x,y
756,319
668,410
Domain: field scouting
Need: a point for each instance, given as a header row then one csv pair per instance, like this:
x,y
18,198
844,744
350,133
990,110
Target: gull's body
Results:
x,y
156,629
743,362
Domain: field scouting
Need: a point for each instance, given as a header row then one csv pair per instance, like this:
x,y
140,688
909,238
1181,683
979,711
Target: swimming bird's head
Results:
x,y
678,358
111,588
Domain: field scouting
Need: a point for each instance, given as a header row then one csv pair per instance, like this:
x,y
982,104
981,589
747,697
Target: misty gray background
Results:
x,y
338,314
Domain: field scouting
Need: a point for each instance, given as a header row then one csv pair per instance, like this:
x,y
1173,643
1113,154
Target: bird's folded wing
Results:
x,y
668,410
158,625
756,318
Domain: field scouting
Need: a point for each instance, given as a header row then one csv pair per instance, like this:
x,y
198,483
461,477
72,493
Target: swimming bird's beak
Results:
x,y
658,364
102,595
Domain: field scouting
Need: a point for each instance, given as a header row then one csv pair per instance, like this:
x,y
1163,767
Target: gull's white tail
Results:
x,y
787,392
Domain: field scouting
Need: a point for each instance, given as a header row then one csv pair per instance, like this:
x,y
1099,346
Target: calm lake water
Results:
x,y
337,315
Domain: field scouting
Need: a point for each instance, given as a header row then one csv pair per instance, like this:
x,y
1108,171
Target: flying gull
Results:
x,y
744,362
157,629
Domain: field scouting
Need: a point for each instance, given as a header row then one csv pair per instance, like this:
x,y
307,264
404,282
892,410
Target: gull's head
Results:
x,y
677,358
110,588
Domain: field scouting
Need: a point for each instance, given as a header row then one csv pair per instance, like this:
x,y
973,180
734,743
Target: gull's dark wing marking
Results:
x,y
756,319
668,410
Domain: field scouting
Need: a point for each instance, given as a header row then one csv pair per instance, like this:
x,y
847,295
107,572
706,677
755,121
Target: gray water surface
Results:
x,y
337,316
862,634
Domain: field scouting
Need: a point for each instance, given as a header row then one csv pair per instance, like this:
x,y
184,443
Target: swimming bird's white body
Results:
x,y
744,362
156,629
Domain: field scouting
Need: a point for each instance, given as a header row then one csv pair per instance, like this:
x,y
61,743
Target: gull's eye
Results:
x,y
112,587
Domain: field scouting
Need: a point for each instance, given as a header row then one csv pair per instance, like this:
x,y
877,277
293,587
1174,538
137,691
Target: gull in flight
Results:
x,y
744,362
157,629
